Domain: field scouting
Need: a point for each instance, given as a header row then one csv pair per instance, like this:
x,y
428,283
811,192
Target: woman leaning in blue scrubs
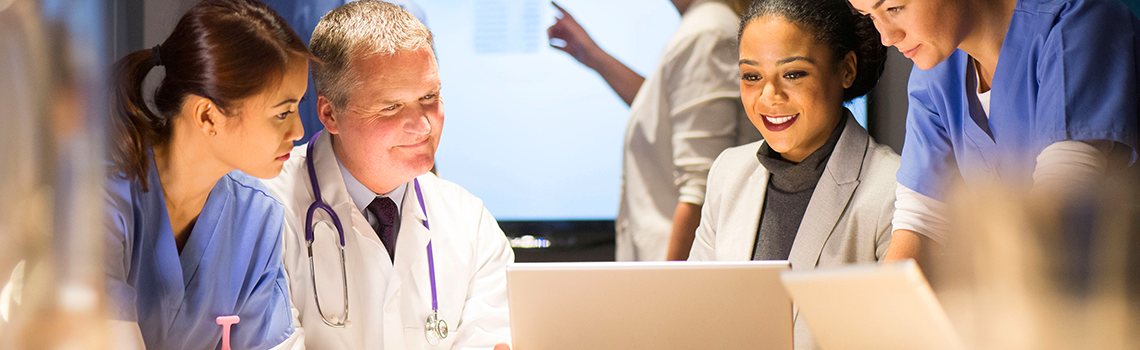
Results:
x,y
191,233
1029,93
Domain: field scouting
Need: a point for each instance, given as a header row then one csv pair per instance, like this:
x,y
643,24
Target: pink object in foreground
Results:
x,y
226,321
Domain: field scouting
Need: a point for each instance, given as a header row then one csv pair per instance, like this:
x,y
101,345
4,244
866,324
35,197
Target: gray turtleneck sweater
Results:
x,y
789,190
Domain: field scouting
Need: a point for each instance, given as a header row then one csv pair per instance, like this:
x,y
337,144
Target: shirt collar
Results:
x,y
362,196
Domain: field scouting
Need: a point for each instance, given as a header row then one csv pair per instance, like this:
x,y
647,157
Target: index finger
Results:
x,y
560,9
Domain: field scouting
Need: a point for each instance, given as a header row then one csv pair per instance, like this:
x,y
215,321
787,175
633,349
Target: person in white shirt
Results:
x,y
416,248
681,118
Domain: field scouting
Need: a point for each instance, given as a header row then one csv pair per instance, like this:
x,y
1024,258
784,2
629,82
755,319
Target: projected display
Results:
x,y
528,129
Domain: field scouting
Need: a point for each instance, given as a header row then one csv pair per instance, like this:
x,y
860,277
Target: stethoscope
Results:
x,y
435,329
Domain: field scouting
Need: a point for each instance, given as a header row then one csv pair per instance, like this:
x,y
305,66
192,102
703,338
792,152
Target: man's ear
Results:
x,y
206,115
326,115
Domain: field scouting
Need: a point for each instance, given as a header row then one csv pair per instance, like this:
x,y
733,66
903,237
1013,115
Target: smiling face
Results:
x,y
388,132
791,85
266,126
925,31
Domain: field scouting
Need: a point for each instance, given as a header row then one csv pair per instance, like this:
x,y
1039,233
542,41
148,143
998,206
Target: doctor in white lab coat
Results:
x,y
378,97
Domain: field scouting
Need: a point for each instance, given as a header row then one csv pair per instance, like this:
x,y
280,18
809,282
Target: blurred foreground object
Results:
x,y
897,310
1055,269
51,135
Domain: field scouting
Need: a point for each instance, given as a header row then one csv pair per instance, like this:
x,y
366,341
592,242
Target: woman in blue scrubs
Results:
x,y
1029,93
191,233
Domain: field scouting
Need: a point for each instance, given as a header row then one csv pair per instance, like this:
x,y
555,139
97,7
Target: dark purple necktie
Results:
x,y
385,211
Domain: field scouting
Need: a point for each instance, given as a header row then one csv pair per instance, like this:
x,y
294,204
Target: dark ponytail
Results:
x,y
131,121
837,25
223,50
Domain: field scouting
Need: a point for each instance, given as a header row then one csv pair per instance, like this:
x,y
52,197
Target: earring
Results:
x,y
213,133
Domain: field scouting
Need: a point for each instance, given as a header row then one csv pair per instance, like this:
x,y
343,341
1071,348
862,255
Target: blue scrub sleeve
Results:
x,y
928,161
268,303
117,250
1089,74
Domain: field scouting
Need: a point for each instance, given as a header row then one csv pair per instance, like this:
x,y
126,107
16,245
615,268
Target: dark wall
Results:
x,y
886,105
1134,4
125,27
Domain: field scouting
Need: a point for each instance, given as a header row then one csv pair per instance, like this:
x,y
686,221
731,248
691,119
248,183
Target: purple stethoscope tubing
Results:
x,y
431,259
435,329
319,203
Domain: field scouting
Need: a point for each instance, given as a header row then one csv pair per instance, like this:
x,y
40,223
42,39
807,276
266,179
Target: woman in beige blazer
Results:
x,y
818,191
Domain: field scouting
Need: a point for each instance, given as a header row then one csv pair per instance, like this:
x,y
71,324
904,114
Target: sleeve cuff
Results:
x,y
919,213
693,193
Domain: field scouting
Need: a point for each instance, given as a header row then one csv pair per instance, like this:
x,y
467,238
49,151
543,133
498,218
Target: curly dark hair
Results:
x,y
836,24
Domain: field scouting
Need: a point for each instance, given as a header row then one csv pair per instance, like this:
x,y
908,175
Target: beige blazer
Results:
x,y
848,219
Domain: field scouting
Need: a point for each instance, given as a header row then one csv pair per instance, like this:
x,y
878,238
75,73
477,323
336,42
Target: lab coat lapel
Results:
x,y
411,241
740,238
831,196
332,185
335,193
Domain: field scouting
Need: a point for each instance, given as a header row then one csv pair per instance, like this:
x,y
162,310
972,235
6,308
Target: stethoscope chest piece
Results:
x,y
435,329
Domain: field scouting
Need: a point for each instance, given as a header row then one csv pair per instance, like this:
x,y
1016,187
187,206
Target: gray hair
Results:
x,y
355,29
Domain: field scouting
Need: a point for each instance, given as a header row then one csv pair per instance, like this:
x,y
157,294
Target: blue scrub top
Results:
x,y
231,265
1068,70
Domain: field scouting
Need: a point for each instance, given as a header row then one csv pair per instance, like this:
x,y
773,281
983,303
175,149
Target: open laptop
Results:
x,y
872,307
649,305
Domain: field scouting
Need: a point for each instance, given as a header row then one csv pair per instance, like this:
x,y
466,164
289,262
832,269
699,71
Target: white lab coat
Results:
x,y
389,303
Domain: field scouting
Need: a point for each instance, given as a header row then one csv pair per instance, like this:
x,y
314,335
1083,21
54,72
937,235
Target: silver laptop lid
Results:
x,y
649,305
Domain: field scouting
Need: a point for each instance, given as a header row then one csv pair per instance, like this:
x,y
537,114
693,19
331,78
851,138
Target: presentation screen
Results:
x,y
534,133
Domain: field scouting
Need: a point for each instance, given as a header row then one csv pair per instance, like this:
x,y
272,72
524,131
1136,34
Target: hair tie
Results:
x,y
157,58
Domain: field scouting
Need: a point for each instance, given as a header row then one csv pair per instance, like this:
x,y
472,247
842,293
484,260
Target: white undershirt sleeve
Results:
x,y
1071,164
919,213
